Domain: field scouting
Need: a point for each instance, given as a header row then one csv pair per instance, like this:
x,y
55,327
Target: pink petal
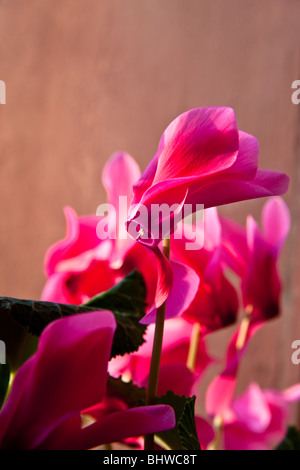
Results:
x,y
118,177
261,285
219,396
292,393
276,221
65,375
121,425
252,409
235,251
78,287
201,141
246,163
119,174
205,432
184,288
80,236
220,189
55,289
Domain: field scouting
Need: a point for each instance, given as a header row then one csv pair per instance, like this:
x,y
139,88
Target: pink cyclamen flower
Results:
x,y
216,303
66,376
253,253
83,264
255,420
258,419
202,158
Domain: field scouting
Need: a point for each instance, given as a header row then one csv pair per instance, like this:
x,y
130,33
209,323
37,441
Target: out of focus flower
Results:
x,y
64,378
216,302
257,419
254,254
202,158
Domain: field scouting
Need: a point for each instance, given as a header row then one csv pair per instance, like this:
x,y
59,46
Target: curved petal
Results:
x,y
201,141
184,288
217,191
120,425
119,175
276,222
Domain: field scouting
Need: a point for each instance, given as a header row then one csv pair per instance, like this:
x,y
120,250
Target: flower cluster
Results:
x,y
61,398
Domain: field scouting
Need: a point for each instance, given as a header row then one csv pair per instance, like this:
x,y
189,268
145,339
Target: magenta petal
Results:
x,y
164,283
81,236
261,287
119,174
55,289
157,214
184,288
145,180
234,246
292,393
201,141
58,250
14,401
252,409
219,395
220,391
118,177
65,375
205,432
246,163
168,379
123,424
276,222
222,190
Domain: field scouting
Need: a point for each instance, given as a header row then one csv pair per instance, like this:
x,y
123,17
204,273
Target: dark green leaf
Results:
x,y
126,300
187,427
291,440
33,315
184,435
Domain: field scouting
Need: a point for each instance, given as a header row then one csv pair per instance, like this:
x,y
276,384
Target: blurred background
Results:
x,y
87,78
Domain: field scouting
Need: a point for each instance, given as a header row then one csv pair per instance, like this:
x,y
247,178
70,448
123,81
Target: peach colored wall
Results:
x,y
87,78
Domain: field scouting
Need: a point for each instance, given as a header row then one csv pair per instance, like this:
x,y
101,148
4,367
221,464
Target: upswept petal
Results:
x,y
276,222
122,424
201,141
119,175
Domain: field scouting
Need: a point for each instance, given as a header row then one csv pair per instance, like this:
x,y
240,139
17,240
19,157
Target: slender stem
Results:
x,y
156,355
218,426
243,328
193,349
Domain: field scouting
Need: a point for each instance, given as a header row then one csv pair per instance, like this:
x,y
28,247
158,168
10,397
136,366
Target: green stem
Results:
x,y
156,355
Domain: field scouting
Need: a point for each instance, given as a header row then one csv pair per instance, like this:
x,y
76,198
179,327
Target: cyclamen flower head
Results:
x,y
216,302
255,420
202,158
82,265
259,418
253,253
